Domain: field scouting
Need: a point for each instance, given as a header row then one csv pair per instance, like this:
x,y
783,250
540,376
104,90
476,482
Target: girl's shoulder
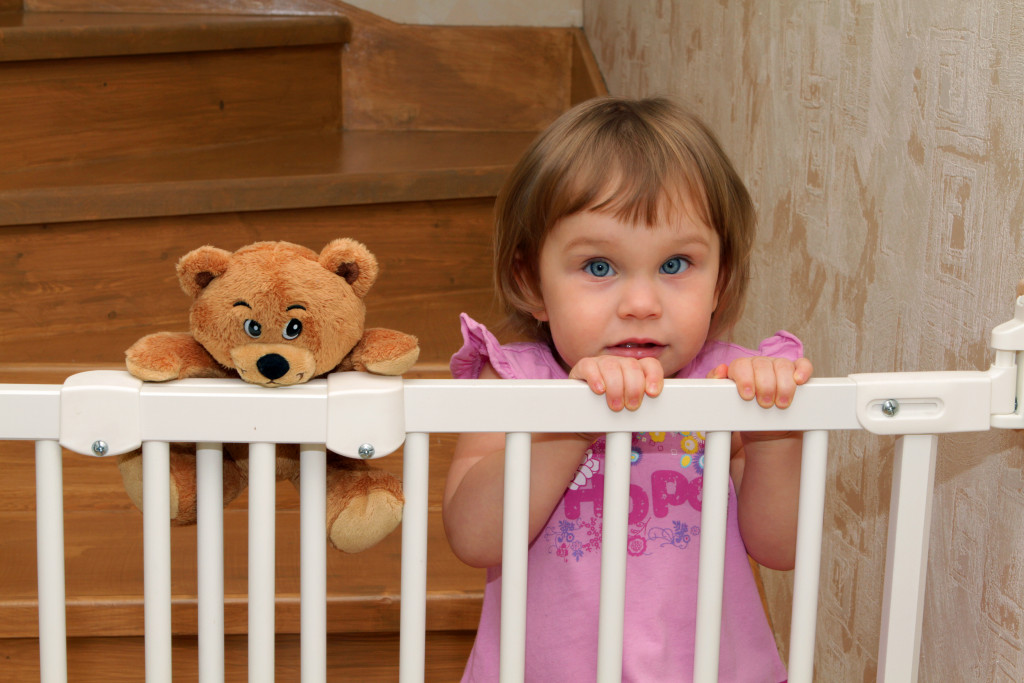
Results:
x,y
519,360
782,344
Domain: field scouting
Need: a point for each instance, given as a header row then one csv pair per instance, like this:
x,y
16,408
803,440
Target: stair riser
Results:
x,y
84,292
60,111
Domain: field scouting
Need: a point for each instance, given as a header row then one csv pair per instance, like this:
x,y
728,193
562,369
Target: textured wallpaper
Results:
x,y
883,143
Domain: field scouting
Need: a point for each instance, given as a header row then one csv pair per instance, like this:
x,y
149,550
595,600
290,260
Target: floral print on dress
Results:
x,y
586,471
678,536
574,539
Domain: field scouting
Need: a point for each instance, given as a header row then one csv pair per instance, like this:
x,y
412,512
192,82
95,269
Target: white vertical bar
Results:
x,y
156,551
614,536
53,654
415,484
807,573
514,546
210,560
313,569
906,561
262,502
711,566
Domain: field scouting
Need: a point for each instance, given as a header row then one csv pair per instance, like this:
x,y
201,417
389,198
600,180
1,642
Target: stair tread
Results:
x,y
303,170
61,35
363,657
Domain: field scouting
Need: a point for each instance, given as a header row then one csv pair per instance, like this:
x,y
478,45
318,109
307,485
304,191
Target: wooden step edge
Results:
x,y
334,168
65,35
362,657
125,615
56,373
181,198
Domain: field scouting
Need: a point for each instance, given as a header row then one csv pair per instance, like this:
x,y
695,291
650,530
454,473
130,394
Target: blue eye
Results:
x,y
599,268
253,329
674,265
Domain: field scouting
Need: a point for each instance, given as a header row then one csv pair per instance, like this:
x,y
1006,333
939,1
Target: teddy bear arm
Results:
x,y
383,352
170,355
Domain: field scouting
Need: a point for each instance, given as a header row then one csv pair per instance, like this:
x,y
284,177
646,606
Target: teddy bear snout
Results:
x,y
273,366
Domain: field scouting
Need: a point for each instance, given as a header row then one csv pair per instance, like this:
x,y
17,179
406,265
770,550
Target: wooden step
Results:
x,y
28,36
104,578
76,111
83,292
362,657
329,168
81,87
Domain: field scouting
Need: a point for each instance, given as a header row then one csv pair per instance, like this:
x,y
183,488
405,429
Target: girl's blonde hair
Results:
x,y
632,159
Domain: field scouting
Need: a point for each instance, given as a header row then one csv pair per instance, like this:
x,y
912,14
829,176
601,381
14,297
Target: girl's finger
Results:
x,y
741,372
720,371
615,383
588,371
785,383
654,376
803,371
765,382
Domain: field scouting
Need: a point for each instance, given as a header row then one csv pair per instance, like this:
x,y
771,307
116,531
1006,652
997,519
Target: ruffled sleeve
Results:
x,y
521,360
782,344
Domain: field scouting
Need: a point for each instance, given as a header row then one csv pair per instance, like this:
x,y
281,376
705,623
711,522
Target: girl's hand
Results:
x,y
623,381
772,381
765,466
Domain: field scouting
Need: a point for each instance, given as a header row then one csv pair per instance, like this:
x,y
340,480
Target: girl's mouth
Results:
x,y
636,349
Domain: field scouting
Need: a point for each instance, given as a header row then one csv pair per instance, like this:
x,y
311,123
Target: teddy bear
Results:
x,y
276,314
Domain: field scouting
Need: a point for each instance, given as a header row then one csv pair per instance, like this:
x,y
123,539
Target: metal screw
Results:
x,y
100,448
366,451
890,407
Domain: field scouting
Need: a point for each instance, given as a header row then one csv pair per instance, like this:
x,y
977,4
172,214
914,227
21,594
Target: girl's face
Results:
x,y
611,287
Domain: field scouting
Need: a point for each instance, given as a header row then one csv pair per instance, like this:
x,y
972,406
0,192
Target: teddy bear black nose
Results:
x,y
272,366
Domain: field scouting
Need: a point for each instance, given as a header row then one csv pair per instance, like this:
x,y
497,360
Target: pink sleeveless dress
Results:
x,y
664,538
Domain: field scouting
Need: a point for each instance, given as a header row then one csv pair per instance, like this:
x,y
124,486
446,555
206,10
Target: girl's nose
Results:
x,y
640,299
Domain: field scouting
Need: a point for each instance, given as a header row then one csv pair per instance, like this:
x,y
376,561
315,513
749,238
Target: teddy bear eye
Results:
x,y
293,329
252,328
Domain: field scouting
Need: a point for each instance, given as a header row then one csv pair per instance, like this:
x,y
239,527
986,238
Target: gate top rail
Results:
x,y
349,411
362,415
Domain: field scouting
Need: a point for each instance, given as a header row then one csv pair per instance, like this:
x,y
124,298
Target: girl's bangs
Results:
x,y
633,190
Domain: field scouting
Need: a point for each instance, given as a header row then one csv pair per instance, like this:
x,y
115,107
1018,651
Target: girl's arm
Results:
x,y
766,465
474,492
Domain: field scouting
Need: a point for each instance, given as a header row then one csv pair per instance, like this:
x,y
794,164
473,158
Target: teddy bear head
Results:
x,y
275,312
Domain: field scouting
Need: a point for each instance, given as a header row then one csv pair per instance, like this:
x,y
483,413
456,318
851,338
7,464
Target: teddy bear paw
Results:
x,y
366,521
130,465
395,366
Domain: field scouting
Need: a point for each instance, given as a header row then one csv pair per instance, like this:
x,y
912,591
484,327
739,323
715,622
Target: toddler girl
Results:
x,y
622,249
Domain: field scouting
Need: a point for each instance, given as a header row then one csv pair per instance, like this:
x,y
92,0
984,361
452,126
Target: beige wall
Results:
x,y
884,146
478,12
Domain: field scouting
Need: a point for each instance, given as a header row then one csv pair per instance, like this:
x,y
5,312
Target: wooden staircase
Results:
x,y
129,137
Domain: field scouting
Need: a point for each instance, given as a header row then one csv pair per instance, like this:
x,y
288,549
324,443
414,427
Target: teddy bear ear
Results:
x,y
199,267
352,261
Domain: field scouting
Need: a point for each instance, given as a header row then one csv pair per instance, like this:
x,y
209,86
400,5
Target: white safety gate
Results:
x,y
359,415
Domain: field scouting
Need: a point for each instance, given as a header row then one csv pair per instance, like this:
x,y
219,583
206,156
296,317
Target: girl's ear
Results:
x,y
719,288
533,300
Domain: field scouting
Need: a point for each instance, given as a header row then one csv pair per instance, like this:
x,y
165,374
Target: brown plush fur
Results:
x,y
275,314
